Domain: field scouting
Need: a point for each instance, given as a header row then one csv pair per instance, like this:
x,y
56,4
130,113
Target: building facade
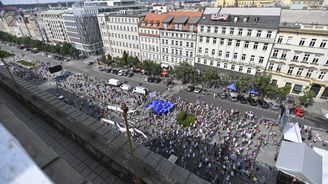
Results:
x,y
300,54
178,37
83,30
238,40
120,33
53,25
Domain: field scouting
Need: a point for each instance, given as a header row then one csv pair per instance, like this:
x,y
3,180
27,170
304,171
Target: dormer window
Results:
x,y
256,19
165,25
191,27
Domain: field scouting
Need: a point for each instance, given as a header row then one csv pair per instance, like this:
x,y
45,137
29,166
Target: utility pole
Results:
x,y
125,110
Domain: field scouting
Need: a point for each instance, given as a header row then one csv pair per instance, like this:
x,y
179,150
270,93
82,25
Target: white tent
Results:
x,y
292,132
324,155
299,160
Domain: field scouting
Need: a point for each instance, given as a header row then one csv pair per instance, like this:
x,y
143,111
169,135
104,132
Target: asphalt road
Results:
x,y
82,66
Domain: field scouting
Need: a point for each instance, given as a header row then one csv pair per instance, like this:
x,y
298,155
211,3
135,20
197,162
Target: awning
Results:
x,y
299,160
232,87
292,133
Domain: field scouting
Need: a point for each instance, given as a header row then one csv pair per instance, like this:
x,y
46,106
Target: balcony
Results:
x,y
238,37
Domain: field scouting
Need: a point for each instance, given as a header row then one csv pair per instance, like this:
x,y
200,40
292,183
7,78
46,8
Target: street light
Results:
x,y
125,110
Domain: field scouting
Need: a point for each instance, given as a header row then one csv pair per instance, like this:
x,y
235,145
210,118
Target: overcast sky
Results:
x,y
28,1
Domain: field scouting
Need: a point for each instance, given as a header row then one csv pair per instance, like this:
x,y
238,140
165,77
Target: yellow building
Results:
x,y
225,3
243,3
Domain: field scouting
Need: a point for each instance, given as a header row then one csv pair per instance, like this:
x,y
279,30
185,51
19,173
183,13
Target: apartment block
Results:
x,y
178,37
300,55
52,22
237,40
120,33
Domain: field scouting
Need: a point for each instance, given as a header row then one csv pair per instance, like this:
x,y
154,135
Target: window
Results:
x,y
227,54
269,34
289,39
206,50
258,34
265,46
200,50
238,43
218,64
208,29
274,82
270,66
278,68
309,73
220,52
290,70
200,39
240,31
232,67
225,65
223,30
191,54
302,41
229,42
176,43
297,89
240,68
312,43
211,62
207,39
232,30
214,40
205,61
322,75
249,70
213,51
261,59
192,44
246,44
181,43
315,60
306,57
222,41
280,39
299,71
187,44
215,29
295,58
201,28
235,55
284,54
256,44
243,57
252,58
323,44
326,62
249,32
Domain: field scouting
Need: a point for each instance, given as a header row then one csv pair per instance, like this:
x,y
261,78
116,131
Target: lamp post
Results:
x,y
125,110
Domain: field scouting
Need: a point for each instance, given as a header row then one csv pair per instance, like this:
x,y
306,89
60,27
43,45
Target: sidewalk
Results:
x,y
318,108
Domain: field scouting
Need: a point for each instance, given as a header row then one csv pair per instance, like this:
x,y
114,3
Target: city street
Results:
x,y
83,68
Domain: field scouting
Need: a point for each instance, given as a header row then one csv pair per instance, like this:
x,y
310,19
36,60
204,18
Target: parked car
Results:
x,y
297,111
150,79
157,79
130,74
233,96
198,90
115,71
114,82
262,103
223,95
242,99
274,105
140,90
68,101
190,88
108,70
251,101
126,87
90,63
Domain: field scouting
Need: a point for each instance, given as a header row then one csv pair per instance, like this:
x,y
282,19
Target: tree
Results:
x,y
109,58
283,92
262,82
210,75
184,71
307,98
243,83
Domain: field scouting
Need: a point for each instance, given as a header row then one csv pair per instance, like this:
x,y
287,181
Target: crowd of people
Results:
x,y
222,143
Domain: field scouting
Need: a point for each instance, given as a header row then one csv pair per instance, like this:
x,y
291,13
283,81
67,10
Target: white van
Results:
x,y
140,90
126,87
114,82
233,96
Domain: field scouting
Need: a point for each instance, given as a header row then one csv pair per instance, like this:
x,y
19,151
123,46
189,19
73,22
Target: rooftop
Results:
x,y
53,12
252,11
305,16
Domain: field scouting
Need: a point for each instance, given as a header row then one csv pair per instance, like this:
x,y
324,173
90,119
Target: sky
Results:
x,y
28,1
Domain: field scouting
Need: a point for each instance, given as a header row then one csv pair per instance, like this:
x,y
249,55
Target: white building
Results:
x,y
120,33
236,39
178,37
53,24
300,55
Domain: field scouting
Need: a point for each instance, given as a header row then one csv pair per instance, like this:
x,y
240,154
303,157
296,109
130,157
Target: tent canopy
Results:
x,y
232,87
253,91
160,107
292,133
299,160
324,155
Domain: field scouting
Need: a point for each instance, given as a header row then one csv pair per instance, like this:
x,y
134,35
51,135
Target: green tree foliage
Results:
x,y
5,54
262,82
185,119
185,71
283,91
151,67
210,75
65,49
243,83
307,98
